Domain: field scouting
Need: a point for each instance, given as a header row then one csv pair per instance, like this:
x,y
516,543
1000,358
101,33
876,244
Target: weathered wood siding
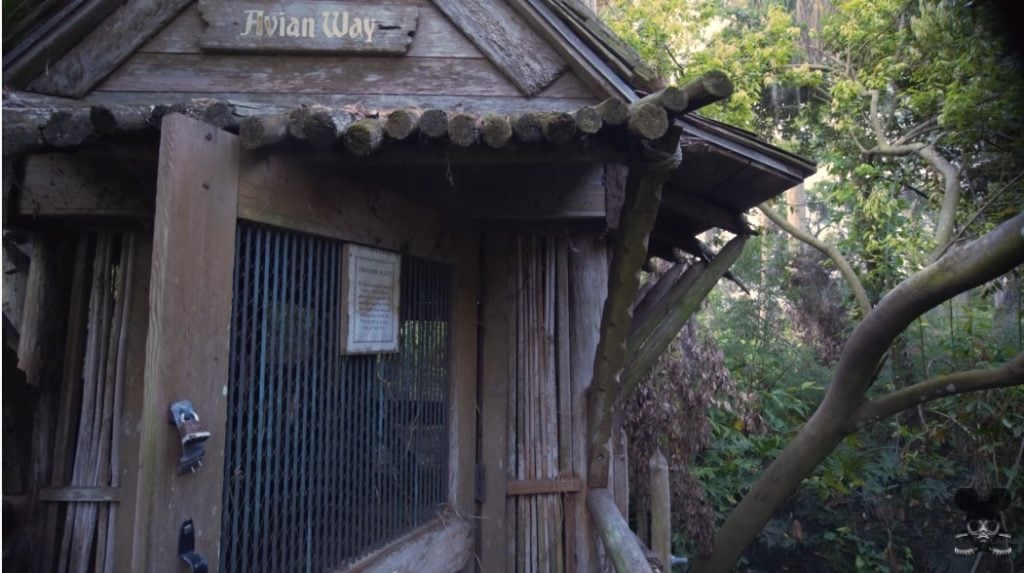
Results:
x,y
441,69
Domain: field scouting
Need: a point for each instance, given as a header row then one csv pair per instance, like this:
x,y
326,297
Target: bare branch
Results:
x,y
920,129
950,197
829,251
1009,374
978,213
882,145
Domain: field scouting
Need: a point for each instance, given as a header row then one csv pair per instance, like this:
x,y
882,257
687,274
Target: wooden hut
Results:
x,y
347,286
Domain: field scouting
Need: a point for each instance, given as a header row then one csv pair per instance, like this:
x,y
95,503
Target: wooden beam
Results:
x,y
82,494
512,45
643,197
187,352
106,47
64,185
702,212
543,486
443,544
655,330
52,40
619,541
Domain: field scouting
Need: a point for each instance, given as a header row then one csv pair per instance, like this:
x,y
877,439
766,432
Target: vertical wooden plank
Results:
x,y
564,386
514,537
187,345
497,303
588,287
135,364
40,356
463,422
70,393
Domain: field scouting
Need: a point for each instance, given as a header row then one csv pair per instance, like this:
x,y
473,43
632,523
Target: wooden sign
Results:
x,y
369,300
307,26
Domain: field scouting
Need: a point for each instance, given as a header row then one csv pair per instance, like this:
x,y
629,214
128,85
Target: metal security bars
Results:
x,y
328,456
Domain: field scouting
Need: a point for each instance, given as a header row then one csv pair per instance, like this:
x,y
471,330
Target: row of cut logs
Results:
x,y
29,128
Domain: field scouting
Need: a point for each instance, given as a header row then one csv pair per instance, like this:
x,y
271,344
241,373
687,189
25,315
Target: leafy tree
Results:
x,y
914,110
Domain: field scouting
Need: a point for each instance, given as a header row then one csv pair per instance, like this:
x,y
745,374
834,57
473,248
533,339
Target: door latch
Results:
x,y
193,433
187,548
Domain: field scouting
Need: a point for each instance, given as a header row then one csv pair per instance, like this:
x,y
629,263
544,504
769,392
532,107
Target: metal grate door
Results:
x,y
328,456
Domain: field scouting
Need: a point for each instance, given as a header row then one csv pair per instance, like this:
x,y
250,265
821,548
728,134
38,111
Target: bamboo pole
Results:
x,y
128,271
103,467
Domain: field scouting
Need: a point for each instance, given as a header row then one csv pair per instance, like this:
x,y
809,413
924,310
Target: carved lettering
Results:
x,y
308,26
253,18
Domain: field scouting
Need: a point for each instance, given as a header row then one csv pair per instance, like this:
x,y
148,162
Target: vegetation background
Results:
x,y
914,111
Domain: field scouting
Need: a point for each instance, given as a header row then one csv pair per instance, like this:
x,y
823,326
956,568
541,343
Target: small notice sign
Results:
x,y
369,293
307,26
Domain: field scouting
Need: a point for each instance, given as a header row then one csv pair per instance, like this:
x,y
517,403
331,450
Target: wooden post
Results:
x,y
588,282
661,512
494,403
620,543
187,346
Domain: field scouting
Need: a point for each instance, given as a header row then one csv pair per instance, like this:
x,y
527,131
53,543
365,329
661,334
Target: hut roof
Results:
x,y
725,170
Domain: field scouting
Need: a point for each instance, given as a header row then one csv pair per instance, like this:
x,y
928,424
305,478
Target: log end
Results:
x,y
219,114
67,129
717,84
588,120
462,129
648,121
401,123
528,127
434,123
363,136
103,119
613,111
318,128
495,130
559,128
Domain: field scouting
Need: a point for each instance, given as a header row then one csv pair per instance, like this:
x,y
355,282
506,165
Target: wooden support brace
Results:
x,y
620,543
643,197
654,330
543,486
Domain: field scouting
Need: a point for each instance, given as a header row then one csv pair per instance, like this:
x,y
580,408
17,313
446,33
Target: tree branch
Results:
x,y
882,146
976,263
978,213
1009,374
829,251
950,198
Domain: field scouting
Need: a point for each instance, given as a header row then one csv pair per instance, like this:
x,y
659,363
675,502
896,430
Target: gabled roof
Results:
x,y
725,170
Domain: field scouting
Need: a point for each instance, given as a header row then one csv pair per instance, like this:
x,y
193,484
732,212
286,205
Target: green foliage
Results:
x,y
943,78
